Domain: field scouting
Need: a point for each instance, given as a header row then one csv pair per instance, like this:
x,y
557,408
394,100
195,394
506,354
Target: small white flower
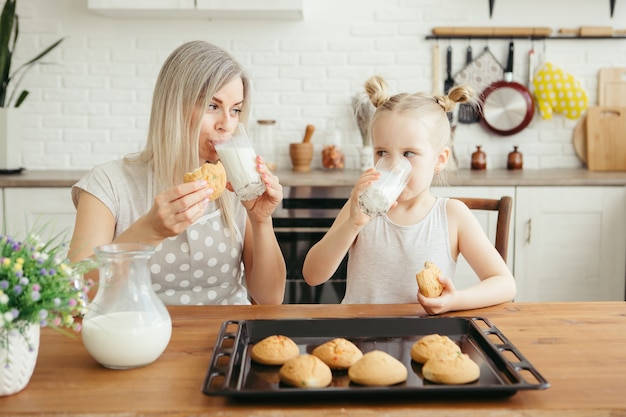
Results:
x,y
8,317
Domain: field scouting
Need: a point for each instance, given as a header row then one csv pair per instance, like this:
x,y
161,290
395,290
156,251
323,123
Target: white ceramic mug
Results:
x,y
239,160
394,175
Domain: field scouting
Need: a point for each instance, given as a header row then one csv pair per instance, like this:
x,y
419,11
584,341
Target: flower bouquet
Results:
x,y
38,286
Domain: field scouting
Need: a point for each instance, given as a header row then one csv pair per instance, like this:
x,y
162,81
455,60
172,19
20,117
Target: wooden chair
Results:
x,y
504,207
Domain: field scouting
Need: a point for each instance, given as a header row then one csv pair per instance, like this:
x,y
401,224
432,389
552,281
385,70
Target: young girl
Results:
x,y
386,252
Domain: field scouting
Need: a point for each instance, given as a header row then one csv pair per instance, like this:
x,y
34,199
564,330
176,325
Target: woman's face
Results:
x,y
220,118
404,136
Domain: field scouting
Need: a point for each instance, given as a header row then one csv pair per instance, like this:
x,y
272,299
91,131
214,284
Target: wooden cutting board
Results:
x,y
612,87
606,138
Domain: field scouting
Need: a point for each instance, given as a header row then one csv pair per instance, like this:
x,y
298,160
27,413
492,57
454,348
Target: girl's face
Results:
x,y
220,118
403,135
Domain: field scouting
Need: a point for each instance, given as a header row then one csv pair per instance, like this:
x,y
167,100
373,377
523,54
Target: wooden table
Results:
x,y
580,348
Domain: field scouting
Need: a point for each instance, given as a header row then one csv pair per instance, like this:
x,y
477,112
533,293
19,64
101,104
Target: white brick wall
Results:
x,y
93,105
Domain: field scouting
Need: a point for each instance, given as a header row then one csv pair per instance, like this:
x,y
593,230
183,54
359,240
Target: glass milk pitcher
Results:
x,y
126,325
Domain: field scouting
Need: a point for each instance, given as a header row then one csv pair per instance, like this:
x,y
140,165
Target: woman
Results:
x,y
207,252
387,251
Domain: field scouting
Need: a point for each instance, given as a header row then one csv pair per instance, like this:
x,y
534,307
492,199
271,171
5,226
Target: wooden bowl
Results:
x,y
301,156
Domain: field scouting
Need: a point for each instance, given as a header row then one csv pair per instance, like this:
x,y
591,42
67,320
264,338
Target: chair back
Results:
x,y
504,207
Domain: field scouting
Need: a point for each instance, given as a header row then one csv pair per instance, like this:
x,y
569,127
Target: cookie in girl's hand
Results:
x,y
428,280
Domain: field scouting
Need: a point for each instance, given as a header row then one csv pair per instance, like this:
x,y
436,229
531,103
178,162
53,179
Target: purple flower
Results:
x,y
52,271
17,289
43,272
4,284
43,314
19,273
15,312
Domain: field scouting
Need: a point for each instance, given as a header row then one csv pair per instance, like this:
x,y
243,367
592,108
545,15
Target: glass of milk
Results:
x,y
394,175
126,325
239,159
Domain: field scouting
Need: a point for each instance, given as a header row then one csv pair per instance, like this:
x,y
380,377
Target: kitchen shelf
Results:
x,y
531,37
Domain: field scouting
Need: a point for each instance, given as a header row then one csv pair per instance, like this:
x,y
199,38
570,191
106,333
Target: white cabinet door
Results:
x,y
2,229
465,276
27,209
570,243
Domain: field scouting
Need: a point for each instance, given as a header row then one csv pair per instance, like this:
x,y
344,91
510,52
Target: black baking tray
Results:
x,y
503,368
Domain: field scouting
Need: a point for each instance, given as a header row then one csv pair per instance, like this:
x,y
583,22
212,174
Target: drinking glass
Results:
x,y
239,160
394,175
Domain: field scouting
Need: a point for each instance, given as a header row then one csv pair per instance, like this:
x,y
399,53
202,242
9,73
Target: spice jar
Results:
x,y
479,159
515,159
265,143
332,155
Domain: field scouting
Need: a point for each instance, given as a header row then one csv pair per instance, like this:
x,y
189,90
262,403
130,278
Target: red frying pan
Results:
x,y
507,106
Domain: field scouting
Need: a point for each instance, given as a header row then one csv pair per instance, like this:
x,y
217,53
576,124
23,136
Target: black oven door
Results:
x,y
305,216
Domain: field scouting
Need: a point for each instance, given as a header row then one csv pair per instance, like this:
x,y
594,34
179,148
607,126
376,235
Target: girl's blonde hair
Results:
x,y
185,86
424,106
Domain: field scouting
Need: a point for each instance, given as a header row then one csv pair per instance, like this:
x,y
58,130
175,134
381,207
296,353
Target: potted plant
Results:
x,y
9,121
39,287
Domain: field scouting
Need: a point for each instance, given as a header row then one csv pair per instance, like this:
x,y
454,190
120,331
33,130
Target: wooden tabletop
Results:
x,y
580,348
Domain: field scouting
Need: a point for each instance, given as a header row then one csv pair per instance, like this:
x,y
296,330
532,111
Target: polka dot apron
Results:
x,y
202,265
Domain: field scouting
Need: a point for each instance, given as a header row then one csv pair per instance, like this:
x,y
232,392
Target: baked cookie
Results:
x,y
459,369
377,368
338,353
274,350
428,280
214,174
306,371
432,346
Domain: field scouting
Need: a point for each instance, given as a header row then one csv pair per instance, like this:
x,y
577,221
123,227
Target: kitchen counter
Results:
x,y
540,177
577,347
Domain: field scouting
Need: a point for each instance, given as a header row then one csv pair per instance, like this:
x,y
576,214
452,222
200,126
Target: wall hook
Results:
x,y
492,3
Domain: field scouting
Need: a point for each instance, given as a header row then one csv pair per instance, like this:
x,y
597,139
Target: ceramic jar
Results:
x,y
479,159
515,159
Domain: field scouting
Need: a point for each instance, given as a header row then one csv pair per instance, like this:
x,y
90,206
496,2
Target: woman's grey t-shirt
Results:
x,y
202,265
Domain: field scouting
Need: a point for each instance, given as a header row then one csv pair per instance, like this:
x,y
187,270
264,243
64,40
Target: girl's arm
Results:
x,y
325,256
468,238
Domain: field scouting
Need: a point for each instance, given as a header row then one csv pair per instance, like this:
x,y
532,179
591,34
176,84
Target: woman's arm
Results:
x,y
264,264
173,211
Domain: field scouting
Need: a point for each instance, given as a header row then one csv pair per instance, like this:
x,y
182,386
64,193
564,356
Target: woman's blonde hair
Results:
x,y
424,106
191,75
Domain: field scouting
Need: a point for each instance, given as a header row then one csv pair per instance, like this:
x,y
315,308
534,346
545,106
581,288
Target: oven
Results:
x,y
305,216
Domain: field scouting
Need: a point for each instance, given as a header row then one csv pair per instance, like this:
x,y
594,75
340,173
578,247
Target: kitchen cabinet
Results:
x,y
200,9
2,229
30,208
465,276
570,243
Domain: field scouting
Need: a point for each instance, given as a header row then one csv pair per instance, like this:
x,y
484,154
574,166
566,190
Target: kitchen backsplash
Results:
x,y
93,104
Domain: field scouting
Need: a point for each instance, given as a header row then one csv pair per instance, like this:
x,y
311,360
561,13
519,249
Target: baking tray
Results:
x,y
503,368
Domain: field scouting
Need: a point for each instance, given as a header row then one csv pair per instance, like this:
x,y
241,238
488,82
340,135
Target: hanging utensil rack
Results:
x,y
533,33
